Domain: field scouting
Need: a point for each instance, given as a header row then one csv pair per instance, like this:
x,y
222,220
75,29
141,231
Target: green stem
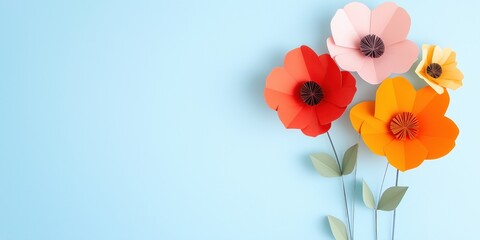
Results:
x,y
395,211
379,196
353,201
383,181
354,193
343,184
376,224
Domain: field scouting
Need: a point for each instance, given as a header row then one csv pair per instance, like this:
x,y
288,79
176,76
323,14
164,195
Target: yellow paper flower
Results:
x,y
439,68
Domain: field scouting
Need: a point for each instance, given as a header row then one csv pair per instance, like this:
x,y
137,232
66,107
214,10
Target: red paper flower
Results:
x,y
309,92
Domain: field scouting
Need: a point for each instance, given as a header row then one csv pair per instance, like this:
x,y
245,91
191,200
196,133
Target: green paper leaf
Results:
x,y
367,194
338,228
349,160
391,198
325,165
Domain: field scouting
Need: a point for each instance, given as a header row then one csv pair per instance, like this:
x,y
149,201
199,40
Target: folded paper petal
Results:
x,y
292,114
398,58
395,95
315,128
348,58
343,30
429,104
438,138
296,66
370,74
328,112
316,70
376,135
390,22
275,98
329,71
280,81
343,95
405,155
361,111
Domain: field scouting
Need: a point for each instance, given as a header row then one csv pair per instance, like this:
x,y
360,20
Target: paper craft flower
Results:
x,y
372,43
405,125
439,68
309,92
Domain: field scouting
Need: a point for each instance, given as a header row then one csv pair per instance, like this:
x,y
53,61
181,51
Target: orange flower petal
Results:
x,y
438,135
360,112
376,135
393,96
315,128
430,104
405,155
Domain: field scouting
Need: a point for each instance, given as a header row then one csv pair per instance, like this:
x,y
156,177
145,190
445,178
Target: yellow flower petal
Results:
x,y
454,74
450,83
437,55
447,54
427,53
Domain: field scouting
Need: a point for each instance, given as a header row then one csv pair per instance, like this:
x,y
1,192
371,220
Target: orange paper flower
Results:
x,y
439,68
405,125
309,92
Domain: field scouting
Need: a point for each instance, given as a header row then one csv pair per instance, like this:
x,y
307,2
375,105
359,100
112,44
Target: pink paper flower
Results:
x,y
372,43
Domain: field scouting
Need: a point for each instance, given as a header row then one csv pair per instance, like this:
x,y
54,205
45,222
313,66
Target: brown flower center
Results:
x,y
404,125
311,93
434,70
372,46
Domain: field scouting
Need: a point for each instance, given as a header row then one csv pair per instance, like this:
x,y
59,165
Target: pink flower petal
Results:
x,y
359,15
371,74
350,24
347,58
398,58
390,22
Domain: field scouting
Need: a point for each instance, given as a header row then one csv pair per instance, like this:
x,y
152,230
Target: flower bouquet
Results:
x,y
405,125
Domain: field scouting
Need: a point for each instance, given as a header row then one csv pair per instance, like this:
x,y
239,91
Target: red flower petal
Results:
x,y
344,95
315,128
328,112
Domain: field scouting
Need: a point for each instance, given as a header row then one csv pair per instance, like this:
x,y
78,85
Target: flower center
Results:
x,y
404,125
372,46
311,93
434,70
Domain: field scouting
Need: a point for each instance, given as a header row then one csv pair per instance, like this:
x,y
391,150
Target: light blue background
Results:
x,y
146,120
